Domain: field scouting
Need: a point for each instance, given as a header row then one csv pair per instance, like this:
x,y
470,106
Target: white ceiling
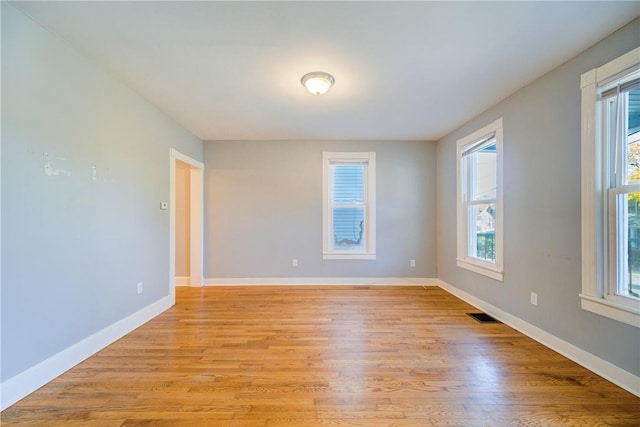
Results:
x,y
403,70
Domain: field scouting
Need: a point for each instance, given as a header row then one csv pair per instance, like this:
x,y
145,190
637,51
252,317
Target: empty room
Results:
x,y
320,213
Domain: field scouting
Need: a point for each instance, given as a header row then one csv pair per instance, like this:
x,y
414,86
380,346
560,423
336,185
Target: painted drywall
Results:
x,y
183,217
81,225
542,209
263,208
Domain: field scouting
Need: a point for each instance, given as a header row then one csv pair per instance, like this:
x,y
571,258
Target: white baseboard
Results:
x,y
27,382
618,376
182,280
299,281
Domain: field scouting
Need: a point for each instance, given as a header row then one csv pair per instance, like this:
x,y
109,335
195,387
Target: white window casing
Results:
x,y
361,243
603,189
467,177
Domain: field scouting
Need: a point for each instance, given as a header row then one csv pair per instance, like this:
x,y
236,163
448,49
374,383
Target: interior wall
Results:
x,y
263,208
85,166
542,235
183,219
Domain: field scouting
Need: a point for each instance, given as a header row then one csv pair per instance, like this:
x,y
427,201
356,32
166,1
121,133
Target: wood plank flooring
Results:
x,y
330,356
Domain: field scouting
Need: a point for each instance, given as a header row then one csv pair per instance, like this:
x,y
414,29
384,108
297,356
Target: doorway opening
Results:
x,y
186,221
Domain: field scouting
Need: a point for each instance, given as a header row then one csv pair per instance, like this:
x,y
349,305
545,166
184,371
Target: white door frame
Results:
x,y
196,205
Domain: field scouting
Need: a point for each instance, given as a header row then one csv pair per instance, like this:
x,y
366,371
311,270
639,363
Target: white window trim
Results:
x,y
594,296
494,271
370,189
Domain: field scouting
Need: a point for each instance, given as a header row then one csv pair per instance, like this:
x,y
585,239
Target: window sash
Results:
x,y
615,120
626,84
361,241
363,179
618,266
479,145
472,250
470,168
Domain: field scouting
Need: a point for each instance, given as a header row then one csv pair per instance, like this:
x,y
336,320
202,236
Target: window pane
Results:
x,y
348,228
348,184
482,227
629,259
633,135
482,168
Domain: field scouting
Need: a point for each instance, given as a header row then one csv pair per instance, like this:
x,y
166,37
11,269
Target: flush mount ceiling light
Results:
x,y
317,82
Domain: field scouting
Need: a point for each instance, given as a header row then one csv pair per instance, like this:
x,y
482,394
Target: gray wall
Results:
x,y
74,248
542,209
263,207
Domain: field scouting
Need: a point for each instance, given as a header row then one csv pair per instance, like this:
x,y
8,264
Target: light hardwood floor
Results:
x,y
341,355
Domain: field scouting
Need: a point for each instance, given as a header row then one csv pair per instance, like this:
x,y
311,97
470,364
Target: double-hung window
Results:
x,y
349,205
611,189
479,216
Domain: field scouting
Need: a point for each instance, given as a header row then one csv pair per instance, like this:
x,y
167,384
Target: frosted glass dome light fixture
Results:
x,y
317,82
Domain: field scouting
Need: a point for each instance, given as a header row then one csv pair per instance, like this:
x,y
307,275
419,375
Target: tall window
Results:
x,y
480,201
611,189
349,209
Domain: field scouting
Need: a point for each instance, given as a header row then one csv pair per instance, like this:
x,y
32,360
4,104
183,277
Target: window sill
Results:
x,y
625,313
349,256
485,271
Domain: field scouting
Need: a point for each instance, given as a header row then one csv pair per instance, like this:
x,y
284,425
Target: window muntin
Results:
x,y
611,189
480,201
349,206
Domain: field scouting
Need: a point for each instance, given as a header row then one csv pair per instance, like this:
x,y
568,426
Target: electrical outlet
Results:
x,y
139,287
294,263
534,298
412,263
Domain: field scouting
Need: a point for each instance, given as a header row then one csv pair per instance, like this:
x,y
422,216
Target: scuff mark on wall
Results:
x,y
50,170
104,175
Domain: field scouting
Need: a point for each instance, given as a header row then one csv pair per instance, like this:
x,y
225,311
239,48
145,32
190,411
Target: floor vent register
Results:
x,y
483,318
